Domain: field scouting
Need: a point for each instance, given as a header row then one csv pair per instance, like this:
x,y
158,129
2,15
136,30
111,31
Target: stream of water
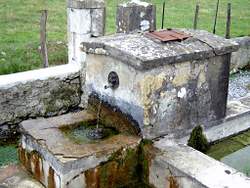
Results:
x,y
98,112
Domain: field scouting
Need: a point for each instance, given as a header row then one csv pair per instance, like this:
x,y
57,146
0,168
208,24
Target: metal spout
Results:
x,y
107,86
113,81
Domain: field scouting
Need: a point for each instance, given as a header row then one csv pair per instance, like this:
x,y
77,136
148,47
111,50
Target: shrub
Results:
x,y
198,140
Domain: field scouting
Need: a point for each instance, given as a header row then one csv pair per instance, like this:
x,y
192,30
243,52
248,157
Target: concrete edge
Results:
x,y
61,71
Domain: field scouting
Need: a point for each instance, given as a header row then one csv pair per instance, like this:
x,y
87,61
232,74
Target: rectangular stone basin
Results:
x,y
57,161
168,88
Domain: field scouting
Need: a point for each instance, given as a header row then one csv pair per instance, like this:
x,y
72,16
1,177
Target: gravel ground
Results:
x,y
239,85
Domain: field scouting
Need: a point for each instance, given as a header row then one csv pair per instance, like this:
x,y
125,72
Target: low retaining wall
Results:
x,y
177,165
38,93
241,58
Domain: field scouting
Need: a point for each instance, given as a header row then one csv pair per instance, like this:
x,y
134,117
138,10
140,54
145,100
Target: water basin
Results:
x,y
240,160
79,133
233,151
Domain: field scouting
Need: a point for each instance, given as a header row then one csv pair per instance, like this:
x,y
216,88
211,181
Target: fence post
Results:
x,y
216,15
228,26
44,50
196,16
163,15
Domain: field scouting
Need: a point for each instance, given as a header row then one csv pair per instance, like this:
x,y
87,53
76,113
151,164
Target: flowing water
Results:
x,y
99,112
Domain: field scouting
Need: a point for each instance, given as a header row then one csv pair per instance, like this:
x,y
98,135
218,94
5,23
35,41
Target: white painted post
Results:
x,y
86,18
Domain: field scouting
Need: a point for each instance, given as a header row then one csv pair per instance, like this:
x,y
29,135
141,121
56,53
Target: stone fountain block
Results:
x,y
57,161
167,88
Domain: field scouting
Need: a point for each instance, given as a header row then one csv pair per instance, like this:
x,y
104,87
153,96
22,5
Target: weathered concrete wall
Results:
x,y
241,58
171,99
45,92
168,88
236,121
176,165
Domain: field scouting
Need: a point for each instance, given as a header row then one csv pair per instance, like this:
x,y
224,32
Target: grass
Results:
x,y
19,27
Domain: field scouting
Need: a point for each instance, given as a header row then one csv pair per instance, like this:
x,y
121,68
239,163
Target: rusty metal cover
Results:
x,y
168,35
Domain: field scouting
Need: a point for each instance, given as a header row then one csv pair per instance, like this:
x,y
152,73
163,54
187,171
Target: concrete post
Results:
x,y
86,18
136,16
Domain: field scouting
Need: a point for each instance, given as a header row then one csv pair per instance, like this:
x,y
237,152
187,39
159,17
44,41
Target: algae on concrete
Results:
x,y
229,145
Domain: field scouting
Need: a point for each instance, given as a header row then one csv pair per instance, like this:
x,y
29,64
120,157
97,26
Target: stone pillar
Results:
x,y
136,16
86,18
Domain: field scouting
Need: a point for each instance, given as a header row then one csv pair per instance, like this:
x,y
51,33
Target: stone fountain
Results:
x,y
143,86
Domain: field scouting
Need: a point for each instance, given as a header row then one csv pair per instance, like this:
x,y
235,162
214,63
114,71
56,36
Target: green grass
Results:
x,y
8,155
19,27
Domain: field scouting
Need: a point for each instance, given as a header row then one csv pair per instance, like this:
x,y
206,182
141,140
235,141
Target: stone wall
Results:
x,y
38,93
241,58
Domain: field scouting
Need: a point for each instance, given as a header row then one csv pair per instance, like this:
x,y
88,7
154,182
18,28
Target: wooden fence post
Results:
x,y
216,15
196,16
163,15
228,26
44,50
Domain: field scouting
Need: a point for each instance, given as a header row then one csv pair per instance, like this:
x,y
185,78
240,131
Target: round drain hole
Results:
x,y
227,171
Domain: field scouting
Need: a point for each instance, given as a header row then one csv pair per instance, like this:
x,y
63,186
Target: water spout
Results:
x,y
107,86
97,132
113,81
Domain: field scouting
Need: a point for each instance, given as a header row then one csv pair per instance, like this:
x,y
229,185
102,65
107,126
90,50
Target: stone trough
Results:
x,y
58,161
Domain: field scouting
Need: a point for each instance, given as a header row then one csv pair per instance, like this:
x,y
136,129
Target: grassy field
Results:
x,y
19,27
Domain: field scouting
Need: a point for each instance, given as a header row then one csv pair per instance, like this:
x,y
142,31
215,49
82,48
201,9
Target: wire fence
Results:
x,y
180,14
20,26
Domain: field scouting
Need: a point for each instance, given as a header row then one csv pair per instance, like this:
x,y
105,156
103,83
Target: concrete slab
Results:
x,y
14,176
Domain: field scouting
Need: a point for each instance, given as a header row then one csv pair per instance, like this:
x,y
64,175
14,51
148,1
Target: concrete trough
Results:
x,y
57,161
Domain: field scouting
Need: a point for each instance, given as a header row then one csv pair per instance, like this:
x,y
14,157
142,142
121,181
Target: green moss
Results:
x,y
63,94
121,170
229,145
147,153
248,86
198,140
